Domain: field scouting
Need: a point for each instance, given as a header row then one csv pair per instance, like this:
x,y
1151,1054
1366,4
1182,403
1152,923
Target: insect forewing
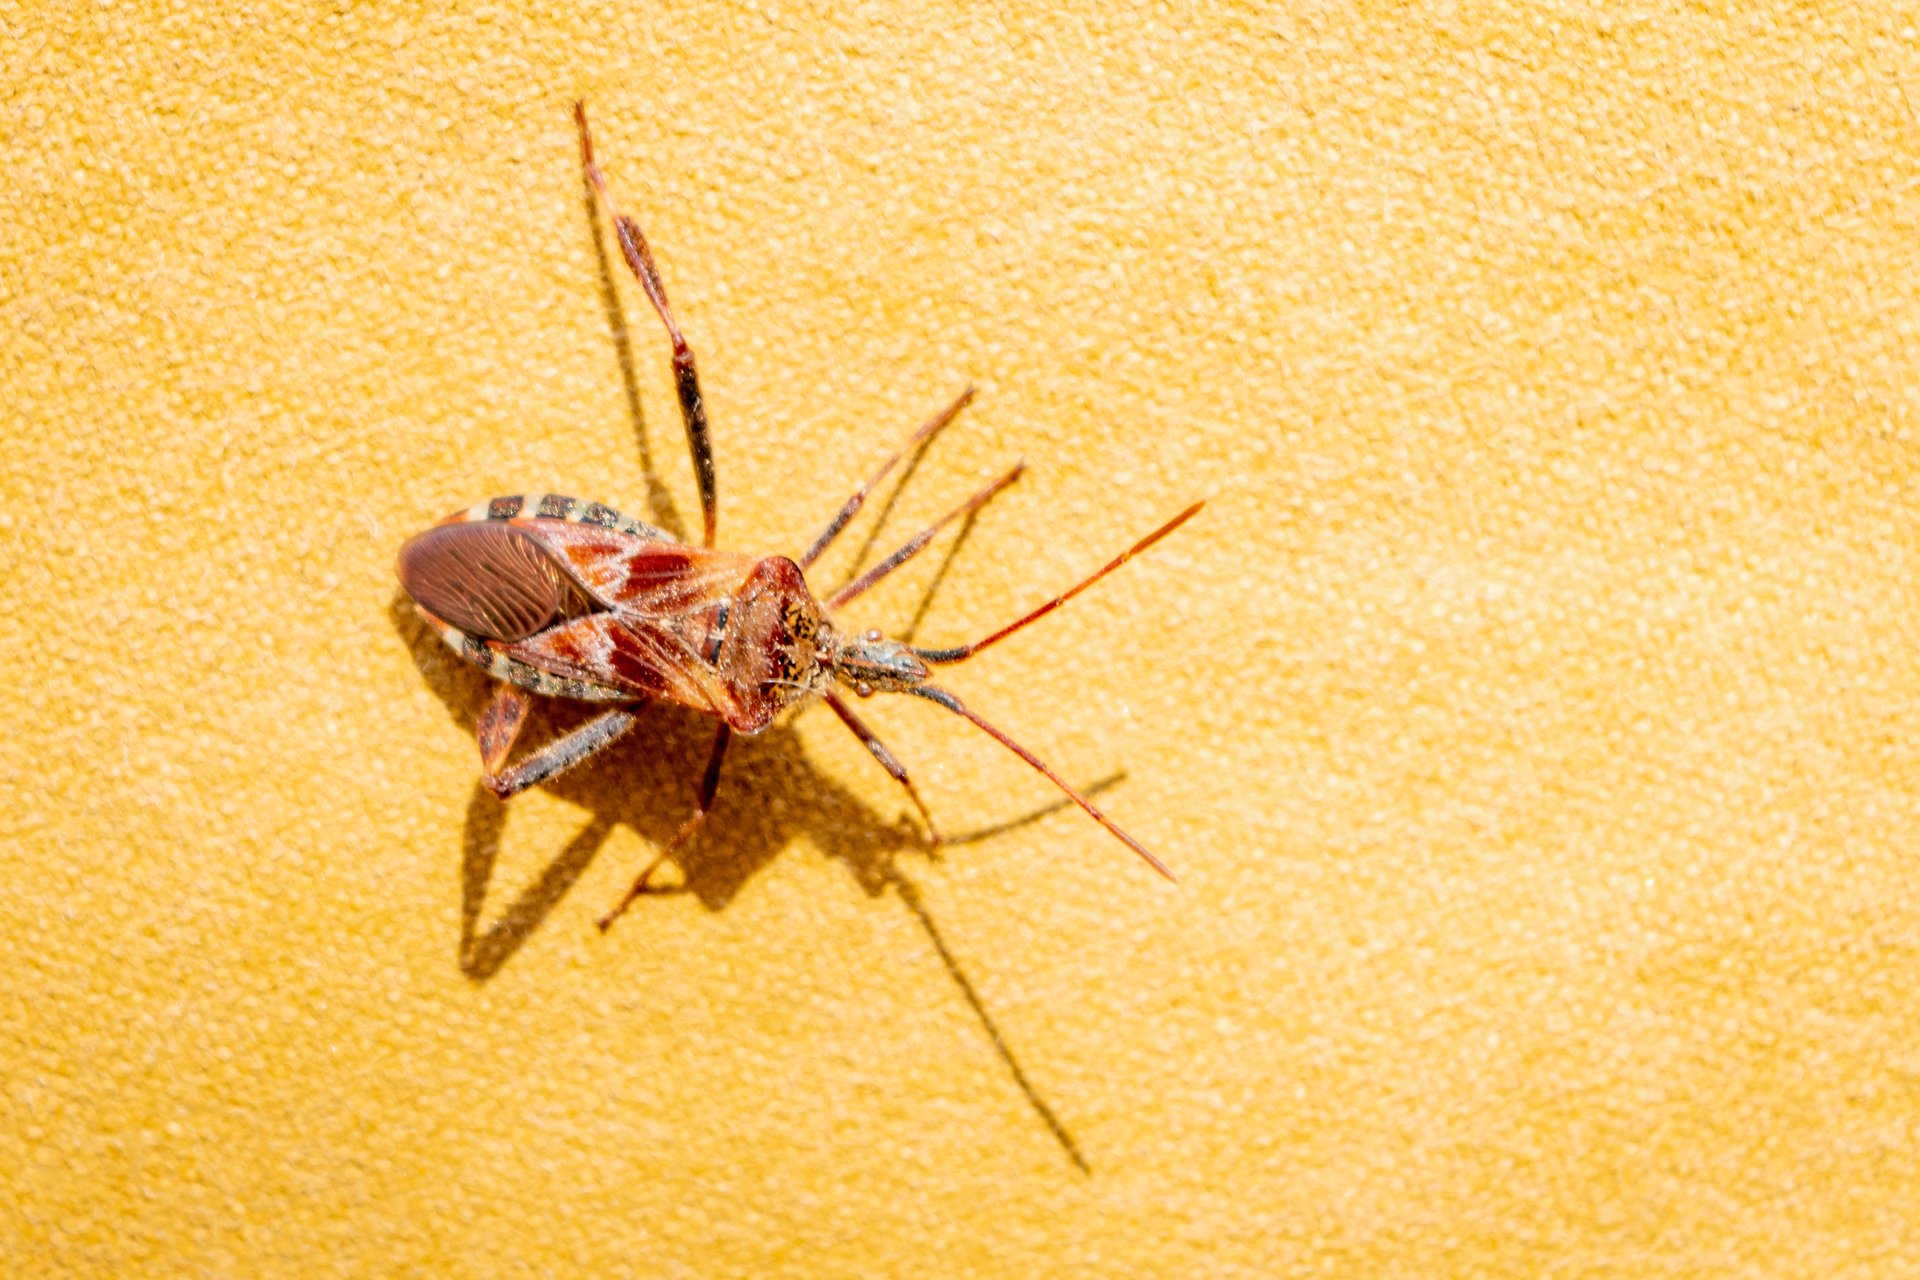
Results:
x,y
489,579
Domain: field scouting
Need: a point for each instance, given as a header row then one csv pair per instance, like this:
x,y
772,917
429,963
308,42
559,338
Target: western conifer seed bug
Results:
x,y
561,598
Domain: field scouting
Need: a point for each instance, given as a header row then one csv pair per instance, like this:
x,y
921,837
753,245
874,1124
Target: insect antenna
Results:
x,y
934,694
965,651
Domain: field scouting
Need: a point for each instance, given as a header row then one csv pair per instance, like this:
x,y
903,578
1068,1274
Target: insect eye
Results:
x,y
864,689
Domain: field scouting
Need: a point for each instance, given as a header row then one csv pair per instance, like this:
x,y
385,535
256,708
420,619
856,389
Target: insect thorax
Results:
x,y
771,655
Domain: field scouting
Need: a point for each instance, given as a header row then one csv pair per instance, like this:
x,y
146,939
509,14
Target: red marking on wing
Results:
x,y
630,654
643,576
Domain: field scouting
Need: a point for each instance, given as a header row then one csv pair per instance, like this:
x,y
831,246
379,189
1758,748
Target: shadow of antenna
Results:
x,y
909,893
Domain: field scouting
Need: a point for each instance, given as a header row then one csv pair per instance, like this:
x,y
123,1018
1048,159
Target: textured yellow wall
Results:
x,y
1532,715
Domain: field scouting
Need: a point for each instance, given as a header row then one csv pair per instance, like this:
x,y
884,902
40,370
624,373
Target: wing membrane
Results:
x,y
641,576
490,580
629,653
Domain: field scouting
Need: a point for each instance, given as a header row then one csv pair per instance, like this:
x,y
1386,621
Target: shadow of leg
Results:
x,y
910,894
939,579
482,954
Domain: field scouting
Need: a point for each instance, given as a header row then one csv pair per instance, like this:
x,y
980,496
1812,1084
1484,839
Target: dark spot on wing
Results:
x,y
717,633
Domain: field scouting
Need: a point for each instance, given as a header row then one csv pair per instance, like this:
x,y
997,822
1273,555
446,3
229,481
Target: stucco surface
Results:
x,y
1531,716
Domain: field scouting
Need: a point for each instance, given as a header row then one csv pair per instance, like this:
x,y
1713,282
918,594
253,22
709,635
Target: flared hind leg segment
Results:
x,y
500,724
686,378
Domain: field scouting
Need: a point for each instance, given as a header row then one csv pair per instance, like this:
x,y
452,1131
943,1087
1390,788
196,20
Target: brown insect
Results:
x,y
569,599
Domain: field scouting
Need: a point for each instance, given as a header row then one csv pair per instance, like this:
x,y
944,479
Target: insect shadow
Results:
x,y
639,782
774,795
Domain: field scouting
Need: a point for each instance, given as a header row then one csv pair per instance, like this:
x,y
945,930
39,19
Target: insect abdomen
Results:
x,y
558,506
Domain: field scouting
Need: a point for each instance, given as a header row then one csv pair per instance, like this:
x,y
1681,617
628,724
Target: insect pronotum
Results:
x,y
568,599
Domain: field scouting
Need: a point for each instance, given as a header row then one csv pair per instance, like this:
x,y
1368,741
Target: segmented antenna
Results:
x,y
944,657
934,694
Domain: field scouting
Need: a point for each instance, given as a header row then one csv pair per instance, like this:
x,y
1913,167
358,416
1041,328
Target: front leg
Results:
x,y
887,760
852,507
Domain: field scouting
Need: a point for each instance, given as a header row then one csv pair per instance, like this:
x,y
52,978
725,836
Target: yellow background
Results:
x,y
1531,716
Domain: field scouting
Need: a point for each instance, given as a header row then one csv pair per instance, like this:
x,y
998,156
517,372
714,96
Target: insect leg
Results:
x,y
914,545
557,756
886,759
709,784
500,724
686,380
852,508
